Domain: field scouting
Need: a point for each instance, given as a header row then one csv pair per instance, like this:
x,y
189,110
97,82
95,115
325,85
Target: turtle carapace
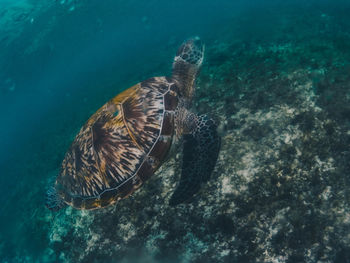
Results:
x,y
128,138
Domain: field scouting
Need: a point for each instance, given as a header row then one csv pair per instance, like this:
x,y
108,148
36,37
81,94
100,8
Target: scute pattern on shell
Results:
x,y
110,156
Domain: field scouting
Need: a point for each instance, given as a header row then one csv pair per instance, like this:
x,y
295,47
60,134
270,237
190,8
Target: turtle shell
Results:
x,y
120,146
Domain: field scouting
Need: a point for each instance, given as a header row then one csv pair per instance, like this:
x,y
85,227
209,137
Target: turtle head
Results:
x,y
191,52
187,63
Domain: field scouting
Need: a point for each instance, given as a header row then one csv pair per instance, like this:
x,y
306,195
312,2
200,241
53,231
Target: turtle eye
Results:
x,y
115,114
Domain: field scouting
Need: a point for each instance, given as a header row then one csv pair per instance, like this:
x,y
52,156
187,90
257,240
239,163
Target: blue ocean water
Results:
x,y
61,60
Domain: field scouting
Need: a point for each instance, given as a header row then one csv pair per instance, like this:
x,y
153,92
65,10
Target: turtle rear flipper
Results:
x,y
53,201
200,152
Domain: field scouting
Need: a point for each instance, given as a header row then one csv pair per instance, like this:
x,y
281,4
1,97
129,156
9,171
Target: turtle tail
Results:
x,y
53,201
187,63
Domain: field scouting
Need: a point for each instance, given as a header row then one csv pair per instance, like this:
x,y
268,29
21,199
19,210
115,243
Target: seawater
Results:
x,y
61,60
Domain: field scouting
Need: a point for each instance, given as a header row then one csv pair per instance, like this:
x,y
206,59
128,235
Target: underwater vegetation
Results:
x,y
276,77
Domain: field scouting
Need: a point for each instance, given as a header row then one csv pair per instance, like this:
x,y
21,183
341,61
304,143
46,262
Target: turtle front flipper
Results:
x,y
200,152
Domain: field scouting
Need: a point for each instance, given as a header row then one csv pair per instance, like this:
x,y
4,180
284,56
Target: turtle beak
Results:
x,y
197,43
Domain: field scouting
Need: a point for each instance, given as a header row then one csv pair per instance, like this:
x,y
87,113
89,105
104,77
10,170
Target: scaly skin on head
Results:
x,y
186,66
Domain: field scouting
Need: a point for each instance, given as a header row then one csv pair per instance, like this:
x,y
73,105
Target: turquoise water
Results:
x,y
276,76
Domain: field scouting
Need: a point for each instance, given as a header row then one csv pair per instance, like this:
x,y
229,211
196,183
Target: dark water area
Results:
x,y
276,76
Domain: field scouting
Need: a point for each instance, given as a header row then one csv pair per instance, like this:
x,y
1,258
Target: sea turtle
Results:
x,y
128,138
